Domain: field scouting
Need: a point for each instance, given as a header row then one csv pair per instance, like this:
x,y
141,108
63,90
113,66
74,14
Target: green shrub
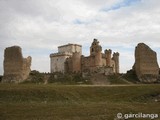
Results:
x,y
116,79
66,78
131,76
1,78
35,77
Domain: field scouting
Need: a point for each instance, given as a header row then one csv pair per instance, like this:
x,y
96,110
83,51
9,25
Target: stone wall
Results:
x,y
146,66
99,60
103,61
73,63
105,70
71,48
58,61
76,62
88,64
108,54
68,65
16,68
116,60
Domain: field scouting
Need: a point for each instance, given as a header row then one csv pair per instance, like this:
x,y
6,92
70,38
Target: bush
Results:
x,y
116,79
35,77
1,78
131,76
66,78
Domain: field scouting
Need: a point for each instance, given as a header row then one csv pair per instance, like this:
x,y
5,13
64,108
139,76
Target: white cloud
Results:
x,y
40,26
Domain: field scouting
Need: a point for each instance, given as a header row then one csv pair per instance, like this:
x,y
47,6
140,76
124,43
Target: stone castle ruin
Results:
x,y
146,65
58,60
16,68
69,59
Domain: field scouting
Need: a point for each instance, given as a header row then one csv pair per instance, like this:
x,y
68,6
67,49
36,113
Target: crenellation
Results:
x,y
76,62
61,54
70,48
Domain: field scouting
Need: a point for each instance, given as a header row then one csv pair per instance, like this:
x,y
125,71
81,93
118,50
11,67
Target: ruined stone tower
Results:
x,y
95,50
146,65
16,68
116,59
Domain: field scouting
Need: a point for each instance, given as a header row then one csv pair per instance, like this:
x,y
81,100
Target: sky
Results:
x,y
40,26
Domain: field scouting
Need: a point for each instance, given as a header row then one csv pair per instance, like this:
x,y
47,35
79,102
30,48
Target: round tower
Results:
x,y
95,50
76,62
108,54
116,60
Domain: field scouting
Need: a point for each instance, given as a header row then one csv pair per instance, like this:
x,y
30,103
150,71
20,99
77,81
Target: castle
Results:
x,y
69,59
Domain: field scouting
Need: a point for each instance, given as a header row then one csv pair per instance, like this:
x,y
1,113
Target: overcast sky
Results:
x,y
39,26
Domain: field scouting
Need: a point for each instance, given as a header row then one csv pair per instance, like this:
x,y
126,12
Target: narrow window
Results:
x,y
92,50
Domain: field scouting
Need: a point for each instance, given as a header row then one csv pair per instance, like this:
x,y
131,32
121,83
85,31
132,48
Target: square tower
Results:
x,y
57,60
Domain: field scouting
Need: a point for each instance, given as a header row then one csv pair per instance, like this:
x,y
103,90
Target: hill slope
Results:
x,y
47,102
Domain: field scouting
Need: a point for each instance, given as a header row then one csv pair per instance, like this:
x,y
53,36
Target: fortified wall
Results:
x,y
58,60
69,59
16,68
146,65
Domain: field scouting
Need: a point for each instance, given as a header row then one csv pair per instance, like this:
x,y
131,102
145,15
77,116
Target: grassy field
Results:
x,y
66,102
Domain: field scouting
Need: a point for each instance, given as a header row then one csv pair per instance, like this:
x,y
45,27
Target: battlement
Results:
x,y
70,59
70,48
115,54
69,44
61,54
108,51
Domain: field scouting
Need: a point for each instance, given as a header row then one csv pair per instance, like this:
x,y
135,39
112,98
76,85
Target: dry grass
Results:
x,y
66,102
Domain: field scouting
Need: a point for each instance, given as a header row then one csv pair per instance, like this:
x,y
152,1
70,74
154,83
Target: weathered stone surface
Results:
x,y
58,60
146,65
69,59
16,68
116,60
